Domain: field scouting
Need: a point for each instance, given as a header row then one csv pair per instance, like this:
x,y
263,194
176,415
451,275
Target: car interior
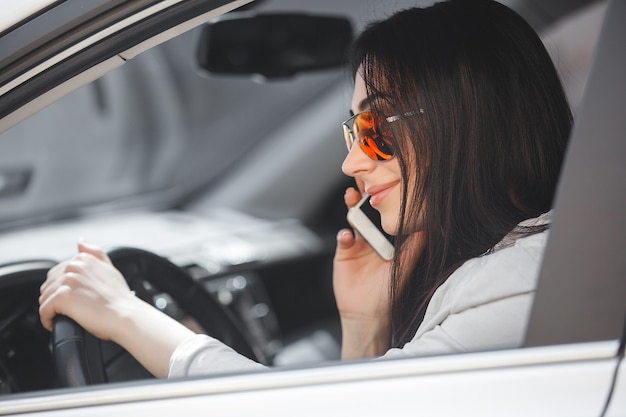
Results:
x,y
217,190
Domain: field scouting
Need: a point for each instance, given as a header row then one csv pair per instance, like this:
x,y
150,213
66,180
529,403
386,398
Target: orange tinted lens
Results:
x,y
373,133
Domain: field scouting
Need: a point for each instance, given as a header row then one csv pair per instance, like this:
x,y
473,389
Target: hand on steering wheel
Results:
x,y
82,359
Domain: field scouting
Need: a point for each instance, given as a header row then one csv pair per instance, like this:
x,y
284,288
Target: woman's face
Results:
x,y
382,180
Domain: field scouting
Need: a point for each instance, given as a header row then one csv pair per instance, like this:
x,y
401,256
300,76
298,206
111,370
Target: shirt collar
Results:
x,y
522,229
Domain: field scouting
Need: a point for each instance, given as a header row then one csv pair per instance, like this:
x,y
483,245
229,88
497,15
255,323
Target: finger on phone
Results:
x,y
351,197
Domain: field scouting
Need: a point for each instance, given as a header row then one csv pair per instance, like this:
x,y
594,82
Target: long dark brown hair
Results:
x,y
485,153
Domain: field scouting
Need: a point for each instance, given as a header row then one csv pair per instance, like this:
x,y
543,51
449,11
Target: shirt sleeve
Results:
x,y
203,355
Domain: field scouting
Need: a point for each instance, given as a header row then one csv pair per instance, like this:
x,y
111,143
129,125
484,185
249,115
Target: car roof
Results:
x,y
73,43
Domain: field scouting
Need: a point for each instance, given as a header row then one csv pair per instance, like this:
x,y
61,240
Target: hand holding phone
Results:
x,y
366,220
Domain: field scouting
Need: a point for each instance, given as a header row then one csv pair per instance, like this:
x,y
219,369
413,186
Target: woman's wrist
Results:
x,y
148,334
364,337
129,313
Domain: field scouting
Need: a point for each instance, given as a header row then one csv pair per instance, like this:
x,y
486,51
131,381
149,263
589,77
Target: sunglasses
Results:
x,y
372,131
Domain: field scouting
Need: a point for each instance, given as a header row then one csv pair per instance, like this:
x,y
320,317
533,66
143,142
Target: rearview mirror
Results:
x,y
273,45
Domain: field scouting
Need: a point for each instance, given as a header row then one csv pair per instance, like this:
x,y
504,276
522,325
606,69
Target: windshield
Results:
x,y
156,129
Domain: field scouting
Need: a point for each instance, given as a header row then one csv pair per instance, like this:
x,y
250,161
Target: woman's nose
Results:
x,y
357,162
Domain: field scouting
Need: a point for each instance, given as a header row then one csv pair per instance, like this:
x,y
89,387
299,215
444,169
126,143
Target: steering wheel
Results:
x,y
82,359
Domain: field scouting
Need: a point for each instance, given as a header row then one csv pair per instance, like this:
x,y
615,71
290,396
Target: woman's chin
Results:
x,y
390,229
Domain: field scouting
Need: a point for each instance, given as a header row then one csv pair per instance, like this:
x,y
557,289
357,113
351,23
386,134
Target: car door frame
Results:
x,y
574,346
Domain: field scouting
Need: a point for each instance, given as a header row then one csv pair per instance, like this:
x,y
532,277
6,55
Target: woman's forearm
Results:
x,y
149,335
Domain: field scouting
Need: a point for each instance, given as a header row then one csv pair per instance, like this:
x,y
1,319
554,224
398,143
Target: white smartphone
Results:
x,y
366,220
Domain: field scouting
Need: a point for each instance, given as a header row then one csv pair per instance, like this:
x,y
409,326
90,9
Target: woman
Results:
x,y
459,132
478,147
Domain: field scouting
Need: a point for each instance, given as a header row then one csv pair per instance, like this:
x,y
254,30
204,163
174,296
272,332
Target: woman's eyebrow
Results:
x,y
366,103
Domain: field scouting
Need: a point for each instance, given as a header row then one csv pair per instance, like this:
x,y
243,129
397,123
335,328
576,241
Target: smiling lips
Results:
x,y
378,193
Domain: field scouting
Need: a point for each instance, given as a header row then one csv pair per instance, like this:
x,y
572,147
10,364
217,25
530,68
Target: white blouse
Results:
x,y
484,304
